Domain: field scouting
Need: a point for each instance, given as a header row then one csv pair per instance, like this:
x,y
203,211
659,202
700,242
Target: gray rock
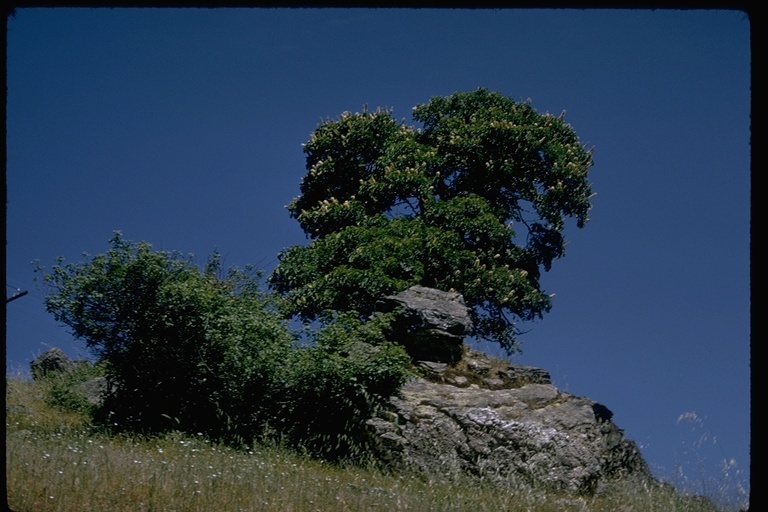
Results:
x,y
479,366
51,361
92,390
431,324
433,367
516,374
528,435
459,381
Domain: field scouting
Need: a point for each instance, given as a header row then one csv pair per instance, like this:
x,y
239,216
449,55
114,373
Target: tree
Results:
x,y
475,201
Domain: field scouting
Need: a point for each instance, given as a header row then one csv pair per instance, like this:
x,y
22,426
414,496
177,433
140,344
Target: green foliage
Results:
x,y
60,389
350,269
182,348
203,351
476,201
337,382
54,462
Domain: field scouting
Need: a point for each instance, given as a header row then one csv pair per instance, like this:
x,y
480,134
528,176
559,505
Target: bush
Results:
x,y
337,382
181,346
63,390
204,351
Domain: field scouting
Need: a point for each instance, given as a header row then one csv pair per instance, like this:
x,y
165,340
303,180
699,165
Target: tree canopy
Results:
x,y
475,201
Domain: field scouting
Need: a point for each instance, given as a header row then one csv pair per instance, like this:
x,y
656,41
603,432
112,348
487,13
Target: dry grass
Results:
x,y
55,462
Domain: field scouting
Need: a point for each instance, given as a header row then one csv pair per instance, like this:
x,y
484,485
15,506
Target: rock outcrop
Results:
x,y
522,432
430,324
55,362
468,413
51,361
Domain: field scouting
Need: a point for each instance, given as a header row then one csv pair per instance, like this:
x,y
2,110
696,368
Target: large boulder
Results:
x,y
430,324
55,362
51,361
93,390
516,431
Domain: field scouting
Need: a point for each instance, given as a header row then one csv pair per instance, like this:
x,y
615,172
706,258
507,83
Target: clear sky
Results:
x,y
183,128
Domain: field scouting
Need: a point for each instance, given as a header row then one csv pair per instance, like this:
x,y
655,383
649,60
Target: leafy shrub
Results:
x,y
61,389
182,347
203,351
337,382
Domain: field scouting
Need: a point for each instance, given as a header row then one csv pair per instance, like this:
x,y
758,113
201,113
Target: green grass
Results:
x,y
55,461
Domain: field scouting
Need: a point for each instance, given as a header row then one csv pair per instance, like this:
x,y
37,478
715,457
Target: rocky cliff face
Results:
x,y
452,422
502,423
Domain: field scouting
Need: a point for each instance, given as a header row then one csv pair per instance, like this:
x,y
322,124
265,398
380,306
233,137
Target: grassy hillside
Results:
x,y
55,461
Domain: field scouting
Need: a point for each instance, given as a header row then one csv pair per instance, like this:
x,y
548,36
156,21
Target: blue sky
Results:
x,y
183,128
